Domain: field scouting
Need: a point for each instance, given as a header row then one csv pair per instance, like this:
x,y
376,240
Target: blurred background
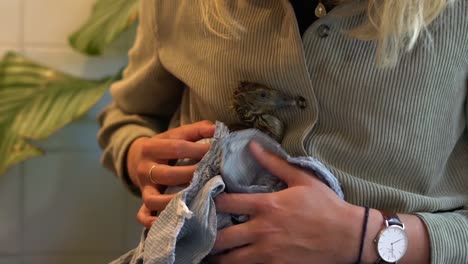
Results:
x,y
63,207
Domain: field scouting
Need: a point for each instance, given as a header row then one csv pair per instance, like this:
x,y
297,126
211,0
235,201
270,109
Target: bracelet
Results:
x,y
363,236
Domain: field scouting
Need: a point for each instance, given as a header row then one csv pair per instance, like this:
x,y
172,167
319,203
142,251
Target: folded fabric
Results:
x,y
185,231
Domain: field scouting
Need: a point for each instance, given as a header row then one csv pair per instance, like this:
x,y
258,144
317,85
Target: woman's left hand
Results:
x,y
305,223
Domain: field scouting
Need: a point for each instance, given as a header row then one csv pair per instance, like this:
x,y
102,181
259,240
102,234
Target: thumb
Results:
x,y
279,167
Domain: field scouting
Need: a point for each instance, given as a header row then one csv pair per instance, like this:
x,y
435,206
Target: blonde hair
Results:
x,y
396,25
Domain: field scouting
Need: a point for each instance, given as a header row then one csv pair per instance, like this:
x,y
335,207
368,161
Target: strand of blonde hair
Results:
x,y
396,25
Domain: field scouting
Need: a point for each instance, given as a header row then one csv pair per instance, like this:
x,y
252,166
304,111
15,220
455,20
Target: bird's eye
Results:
x,y
263,94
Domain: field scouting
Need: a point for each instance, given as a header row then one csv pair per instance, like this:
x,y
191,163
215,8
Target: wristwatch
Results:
x,y
392,240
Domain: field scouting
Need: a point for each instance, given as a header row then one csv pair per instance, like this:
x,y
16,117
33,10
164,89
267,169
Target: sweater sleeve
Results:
x,y
448,231
143,101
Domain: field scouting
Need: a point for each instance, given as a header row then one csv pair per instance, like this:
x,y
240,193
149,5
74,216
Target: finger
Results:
x,y
144,217
235,236
244,255
173,149
164,174
192,132
239,204
290,174
155,201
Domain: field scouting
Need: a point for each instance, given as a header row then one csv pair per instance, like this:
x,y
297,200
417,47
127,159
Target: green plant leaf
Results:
x,y
108,20
36,101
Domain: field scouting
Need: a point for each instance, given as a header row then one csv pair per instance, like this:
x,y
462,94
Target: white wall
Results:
x,y
62,207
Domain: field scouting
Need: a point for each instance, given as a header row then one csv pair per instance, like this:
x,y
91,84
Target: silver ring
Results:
x,y
150,174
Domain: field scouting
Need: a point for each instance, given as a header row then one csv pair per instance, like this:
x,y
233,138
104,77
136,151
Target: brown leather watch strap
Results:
x,y
391,218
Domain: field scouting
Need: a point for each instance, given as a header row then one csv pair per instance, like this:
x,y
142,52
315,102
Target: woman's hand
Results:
x,y
305,223
144,153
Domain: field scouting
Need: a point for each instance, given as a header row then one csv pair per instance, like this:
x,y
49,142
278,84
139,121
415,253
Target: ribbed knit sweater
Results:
x,y
396,138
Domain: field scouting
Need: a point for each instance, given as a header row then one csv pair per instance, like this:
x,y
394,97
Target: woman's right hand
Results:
x,y
174,144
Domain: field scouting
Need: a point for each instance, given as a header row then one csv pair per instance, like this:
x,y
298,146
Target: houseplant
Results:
x,y
36,101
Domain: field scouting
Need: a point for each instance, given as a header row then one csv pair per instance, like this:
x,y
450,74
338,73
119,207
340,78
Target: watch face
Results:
x,y
392,243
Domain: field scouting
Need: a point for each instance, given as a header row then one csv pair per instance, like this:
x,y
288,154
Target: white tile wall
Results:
x,y
12,260
10,15
132,228
51,21
63,207
10,212
70,196
66,60
77,137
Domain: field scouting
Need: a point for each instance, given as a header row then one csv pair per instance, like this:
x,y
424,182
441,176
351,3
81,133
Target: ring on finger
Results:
x,y
150,174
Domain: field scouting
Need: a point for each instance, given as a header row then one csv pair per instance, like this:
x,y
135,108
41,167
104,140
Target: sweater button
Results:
x,y
301,102
323,31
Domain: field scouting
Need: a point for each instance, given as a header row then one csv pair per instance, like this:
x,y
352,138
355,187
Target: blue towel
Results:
x,y
185,231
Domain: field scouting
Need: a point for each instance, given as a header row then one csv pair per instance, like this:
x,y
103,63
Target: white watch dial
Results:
x,y
392,243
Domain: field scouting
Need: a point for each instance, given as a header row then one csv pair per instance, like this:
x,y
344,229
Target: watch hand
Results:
x,y
396,241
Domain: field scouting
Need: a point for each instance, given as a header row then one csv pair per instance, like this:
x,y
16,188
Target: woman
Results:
x,y
385,86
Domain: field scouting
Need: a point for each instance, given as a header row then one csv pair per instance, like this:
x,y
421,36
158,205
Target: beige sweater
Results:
x,y
395,138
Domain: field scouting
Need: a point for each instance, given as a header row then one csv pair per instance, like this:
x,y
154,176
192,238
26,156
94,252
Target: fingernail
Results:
x,y
255,147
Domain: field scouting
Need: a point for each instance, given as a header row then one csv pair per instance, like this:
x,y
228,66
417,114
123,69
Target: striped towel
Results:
x,y
185,231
